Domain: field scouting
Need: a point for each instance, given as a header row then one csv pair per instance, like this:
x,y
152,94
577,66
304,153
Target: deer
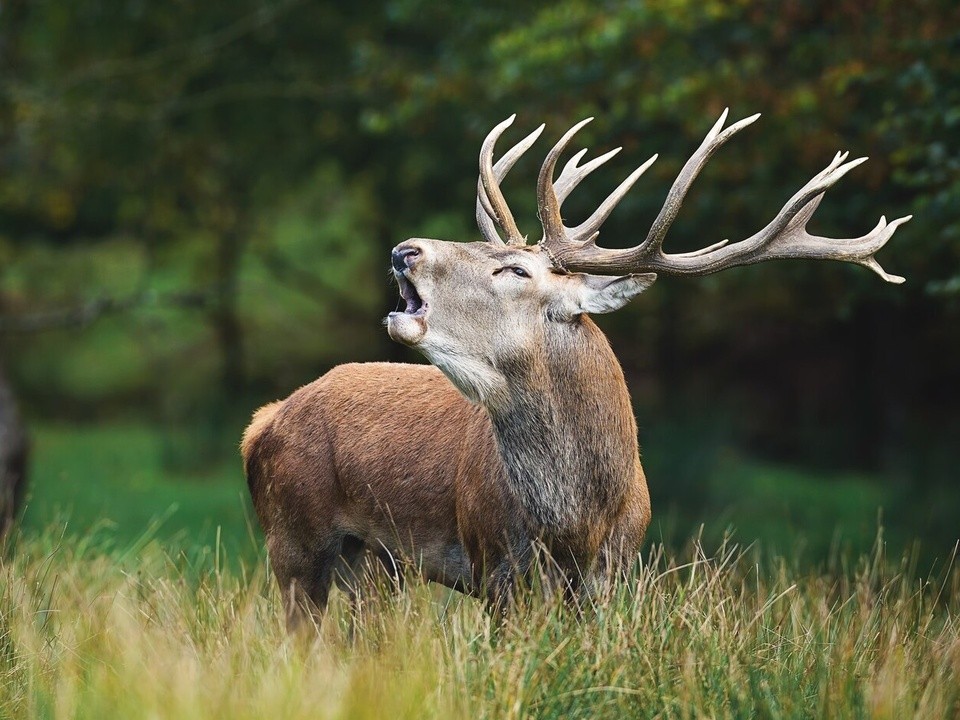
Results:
x,y
518,441
13,459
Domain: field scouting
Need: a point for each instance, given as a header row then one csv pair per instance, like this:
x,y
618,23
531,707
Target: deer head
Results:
x,y
477,310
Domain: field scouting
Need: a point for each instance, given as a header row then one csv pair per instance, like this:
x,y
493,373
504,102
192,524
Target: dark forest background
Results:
x,y
197,202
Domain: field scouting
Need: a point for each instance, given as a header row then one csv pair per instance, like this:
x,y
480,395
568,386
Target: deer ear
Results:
x,y
602,294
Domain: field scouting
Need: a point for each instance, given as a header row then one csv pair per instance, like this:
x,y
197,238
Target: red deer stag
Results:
x,y
522,434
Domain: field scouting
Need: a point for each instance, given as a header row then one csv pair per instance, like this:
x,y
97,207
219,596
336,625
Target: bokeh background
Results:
x,y
197,201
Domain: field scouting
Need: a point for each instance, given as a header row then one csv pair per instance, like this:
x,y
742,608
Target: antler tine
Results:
x,y
547,202
485,212
571,175
591,227
492,208
551,194
785,236
678,191
800,207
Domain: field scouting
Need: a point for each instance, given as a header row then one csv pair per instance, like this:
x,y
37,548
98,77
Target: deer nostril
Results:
x,y
403,257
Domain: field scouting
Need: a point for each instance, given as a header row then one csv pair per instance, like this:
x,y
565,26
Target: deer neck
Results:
x,y
566,431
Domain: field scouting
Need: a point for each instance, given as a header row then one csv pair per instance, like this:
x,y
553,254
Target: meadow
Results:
x,y
132,593
89,631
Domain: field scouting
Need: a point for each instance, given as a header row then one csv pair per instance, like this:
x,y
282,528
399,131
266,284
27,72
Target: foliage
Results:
x,y
263,156
89,632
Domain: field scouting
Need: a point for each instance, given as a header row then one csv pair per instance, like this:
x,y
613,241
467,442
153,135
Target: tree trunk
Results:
x,y
226,319
13,458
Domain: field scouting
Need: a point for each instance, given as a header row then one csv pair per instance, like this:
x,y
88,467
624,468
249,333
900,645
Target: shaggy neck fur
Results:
x,y
567,433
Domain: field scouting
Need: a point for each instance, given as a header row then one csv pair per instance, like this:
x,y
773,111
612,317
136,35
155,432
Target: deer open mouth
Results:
x,y
414,303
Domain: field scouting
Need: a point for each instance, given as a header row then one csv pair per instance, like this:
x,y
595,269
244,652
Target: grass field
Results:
x,y
112,479
155,601
92,632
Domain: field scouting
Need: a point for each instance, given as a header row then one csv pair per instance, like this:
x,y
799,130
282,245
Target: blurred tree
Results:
x,y
270,152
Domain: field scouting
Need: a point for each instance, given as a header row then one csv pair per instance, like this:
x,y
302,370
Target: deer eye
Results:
x,y
515,269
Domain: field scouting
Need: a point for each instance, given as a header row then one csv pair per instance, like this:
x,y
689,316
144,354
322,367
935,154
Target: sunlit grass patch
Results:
x,y
87,630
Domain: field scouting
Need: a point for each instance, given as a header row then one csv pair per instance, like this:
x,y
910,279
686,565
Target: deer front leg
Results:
x,y
507,574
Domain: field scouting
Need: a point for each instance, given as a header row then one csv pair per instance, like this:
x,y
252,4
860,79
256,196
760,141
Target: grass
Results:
x,y
88,631
113,477
154,600
793,511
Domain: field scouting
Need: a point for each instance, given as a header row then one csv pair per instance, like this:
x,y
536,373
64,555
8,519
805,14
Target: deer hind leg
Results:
x,y
304,576
362,568
620,553
365,573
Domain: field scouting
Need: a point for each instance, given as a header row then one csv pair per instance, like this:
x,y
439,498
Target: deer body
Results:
x,y
522,439
391,460
375,453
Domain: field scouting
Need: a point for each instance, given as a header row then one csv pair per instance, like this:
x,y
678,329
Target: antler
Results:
x,y
785,236
492,209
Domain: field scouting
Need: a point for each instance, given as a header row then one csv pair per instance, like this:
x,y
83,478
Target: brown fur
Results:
x,y
395,457
261,419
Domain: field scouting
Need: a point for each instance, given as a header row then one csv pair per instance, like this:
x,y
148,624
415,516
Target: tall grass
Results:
x,y
87,631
